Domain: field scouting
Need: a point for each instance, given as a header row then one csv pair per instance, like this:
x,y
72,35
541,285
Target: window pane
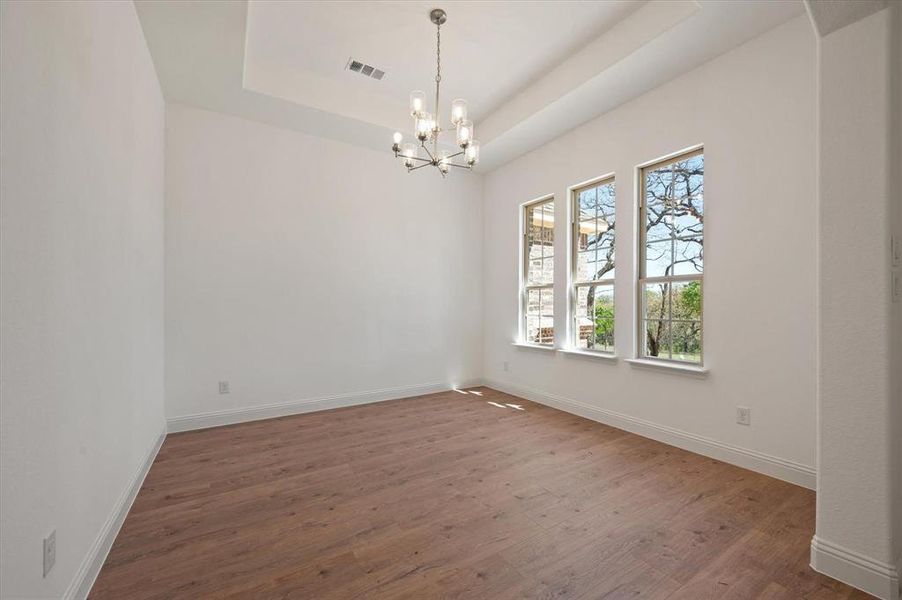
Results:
x,y
582,322
657,338
587,234
658,258
539,243
540,316
534,275
687,219
686,340
541,271
658,187
588,202
594,319
532,329
655,305
592,265
546,323
603,317
585,265
546,274
606,202
687,257
604,265
595,233
688,180
658,219
533,303
686,300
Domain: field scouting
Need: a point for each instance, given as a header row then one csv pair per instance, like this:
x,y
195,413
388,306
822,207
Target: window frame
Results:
x,y
642,280
573,256
525,287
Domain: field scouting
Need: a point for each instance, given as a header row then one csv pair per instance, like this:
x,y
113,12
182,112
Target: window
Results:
x,y
537,277
592,248
671,244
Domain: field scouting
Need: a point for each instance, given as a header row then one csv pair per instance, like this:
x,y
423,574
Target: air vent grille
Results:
x,y
365,69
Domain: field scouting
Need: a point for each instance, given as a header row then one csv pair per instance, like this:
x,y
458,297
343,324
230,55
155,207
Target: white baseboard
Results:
x,y
90,567
296,407
773,466
860,571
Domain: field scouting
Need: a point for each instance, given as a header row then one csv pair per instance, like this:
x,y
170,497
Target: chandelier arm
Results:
x,y
416,158
431,156
419,166
451,164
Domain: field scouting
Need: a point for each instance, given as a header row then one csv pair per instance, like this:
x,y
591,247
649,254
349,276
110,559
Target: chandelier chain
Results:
x,y
438,53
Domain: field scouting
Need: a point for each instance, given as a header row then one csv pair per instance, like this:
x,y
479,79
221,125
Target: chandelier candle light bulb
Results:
x,y
417,102
472,153
458,111
409,152
464,133
424,125
427,128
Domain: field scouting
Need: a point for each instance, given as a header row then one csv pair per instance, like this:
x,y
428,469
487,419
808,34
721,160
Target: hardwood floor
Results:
x,y
456,495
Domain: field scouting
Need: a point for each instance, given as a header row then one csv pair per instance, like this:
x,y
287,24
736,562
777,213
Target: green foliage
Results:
x,y
690,298
604,321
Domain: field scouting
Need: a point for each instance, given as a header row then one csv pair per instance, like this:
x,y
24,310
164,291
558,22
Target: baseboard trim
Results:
x,y
872,576
772,466
90,567
269,411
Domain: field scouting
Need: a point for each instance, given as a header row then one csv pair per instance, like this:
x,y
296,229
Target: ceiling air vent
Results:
x,y
365,69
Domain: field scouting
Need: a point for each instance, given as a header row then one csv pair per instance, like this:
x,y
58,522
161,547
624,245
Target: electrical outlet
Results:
x,y
897,287
223,387
743,415
49,552
506,366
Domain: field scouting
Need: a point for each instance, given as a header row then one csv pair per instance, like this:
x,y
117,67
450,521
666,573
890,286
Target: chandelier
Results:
x,y
428,127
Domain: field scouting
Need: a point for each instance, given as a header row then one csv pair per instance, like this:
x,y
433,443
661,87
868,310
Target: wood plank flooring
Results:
x,y
456,495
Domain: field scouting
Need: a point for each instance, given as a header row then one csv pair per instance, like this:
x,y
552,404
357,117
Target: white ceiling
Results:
x,y
530,70
491,50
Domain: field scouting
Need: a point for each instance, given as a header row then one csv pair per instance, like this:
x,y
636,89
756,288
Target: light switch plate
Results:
x,y
896,247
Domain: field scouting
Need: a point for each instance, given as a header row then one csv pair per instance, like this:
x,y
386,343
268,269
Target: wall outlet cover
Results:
x,y
743,415
223,387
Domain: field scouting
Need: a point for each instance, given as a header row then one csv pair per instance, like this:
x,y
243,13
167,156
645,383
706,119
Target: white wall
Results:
x,y
299,268
858,184
896,351
81,149
753,110
896,335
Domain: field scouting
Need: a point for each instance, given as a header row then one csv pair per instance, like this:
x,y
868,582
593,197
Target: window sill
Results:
x,y
533,346
589,354
661,365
